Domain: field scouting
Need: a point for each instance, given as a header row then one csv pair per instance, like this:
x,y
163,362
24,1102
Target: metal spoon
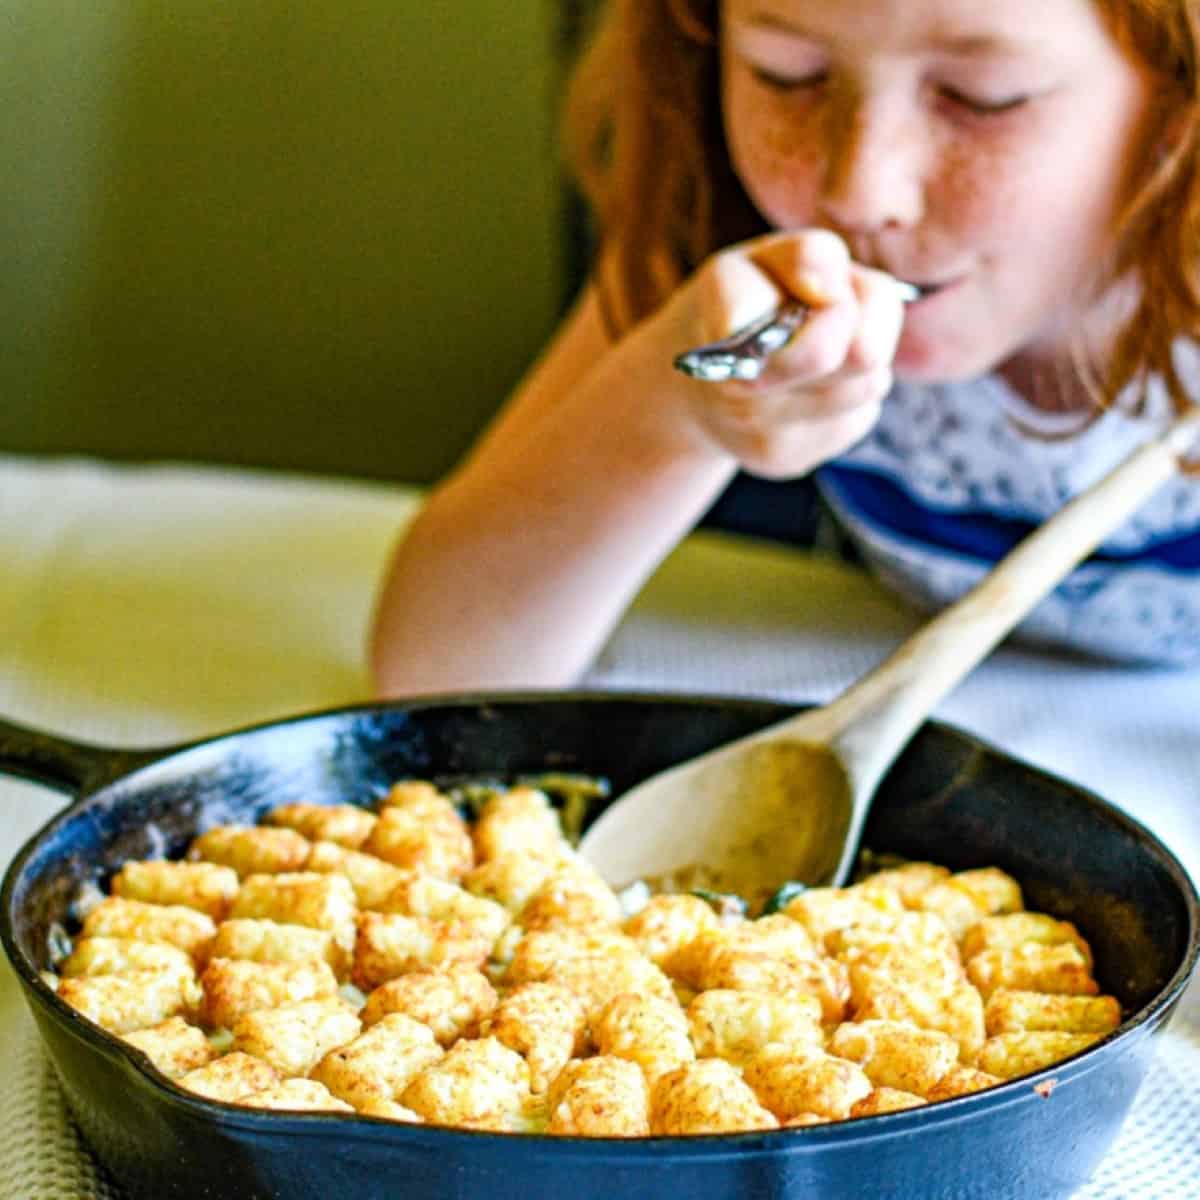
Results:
x,y
744,353
789,802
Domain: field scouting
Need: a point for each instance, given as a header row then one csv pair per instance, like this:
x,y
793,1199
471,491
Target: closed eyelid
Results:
x,y
781,64
751,38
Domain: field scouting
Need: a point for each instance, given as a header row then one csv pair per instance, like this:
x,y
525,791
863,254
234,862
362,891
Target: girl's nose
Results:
x,y
874,169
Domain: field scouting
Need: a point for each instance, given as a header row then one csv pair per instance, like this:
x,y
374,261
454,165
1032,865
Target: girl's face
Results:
x,y
980,149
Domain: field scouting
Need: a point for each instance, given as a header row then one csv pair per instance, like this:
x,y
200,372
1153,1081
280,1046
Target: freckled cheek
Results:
x,y
1021,221
777,158
975,196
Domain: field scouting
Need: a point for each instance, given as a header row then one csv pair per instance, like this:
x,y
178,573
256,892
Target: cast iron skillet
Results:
x,y
950,798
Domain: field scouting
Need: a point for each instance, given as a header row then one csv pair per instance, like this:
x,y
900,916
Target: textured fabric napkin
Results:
x,y
141,606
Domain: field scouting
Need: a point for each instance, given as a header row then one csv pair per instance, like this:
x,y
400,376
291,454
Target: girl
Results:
x,y
1030,167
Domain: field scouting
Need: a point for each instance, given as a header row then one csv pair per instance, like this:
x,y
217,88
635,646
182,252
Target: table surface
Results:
x,y
146,605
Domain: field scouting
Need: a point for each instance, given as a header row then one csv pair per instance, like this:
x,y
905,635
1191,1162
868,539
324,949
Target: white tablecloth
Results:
x,y
144,606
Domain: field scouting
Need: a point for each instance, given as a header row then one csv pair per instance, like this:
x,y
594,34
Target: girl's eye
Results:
x,y
787,83
984,107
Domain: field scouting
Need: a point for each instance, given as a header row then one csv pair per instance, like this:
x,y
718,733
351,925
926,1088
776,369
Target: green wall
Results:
x,y
320,234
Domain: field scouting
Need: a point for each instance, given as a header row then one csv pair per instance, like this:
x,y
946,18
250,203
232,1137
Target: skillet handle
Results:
x,y
63,764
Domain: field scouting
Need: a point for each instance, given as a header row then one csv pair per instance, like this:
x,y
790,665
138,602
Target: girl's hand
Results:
x,y
823,391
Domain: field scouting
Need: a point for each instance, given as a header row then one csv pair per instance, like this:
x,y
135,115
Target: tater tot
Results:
x,y
573,895
510,879
735,1025
186,928
372,879
895,1055
294,1037
776,937
646,1030
910,880
125,1003
389,1110
791,1080
346,824
885,1100
822,910
421,797
823,978
230,1076
956,1011
419,841
450,1002
1013,1011
873,967
708,1096
518,821
544,950
542,1022
502,952
303,898
379,1063
923,929
92,956
593,967
441,900
389,945
174,1047
1010,1054
777,934
258,939
596,981
599,1097
205,886
234,987
961,1081
1033,967
479,1083
803,1120
666,925
995,891
958,905
251,849
1014,929
304,1095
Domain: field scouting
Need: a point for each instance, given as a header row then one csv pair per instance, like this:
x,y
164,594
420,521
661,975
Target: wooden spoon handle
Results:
x,y
873,720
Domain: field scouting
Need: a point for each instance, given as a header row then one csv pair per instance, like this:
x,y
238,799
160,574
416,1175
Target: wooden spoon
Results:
x,y
789,802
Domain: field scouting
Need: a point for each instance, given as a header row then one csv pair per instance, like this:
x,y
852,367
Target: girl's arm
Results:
x,y
521,562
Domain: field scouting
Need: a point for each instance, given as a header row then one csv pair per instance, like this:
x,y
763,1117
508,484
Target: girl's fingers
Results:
x,y
825,400
845,338
837,362
881,319
837,396
746,282
822,391
815,266
791,448
733,293
818,348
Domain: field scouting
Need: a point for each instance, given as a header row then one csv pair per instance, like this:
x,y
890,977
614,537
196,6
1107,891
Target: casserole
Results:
x,y
949,799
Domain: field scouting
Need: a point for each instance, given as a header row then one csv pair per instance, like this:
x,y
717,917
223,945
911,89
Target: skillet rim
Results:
x,y
1145,1022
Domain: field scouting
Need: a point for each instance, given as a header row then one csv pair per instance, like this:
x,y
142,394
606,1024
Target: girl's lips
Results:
x,y
927,291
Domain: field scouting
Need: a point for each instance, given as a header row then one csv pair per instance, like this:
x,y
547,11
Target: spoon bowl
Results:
x,y
788,803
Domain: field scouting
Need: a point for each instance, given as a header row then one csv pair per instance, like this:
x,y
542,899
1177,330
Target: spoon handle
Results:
x,y
743,354
873,720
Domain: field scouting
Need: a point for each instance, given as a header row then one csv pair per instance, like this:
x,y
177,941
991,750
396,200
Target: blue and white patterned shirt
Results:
x,y
950,479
